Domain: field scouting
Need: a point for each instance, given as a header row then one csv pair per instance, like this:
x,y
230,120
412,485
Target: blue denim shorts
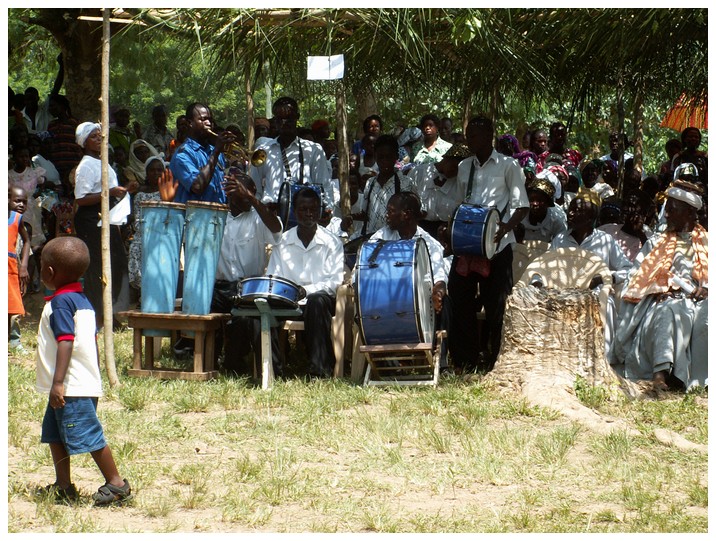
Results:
x,y
75,425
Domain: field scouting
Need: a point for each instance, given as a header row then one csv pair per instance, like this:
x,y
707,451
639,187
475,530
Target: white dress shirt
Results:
x,y
435,249
375,198
498,183
439,202
316,267
554,223
272,174
243,247
602,244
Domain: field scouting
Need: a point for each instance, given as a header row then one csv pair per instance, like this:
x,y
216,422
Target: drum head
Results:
x,y
162,204
423,283
491,223
207,205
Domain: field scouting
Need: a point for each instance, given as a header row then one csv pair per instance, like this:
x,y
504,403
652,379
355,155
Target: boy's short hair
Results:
x,y
68,255
388,141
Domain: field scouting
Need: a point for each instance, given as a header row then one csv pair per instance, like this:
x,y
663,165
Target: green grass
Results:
x,y
330,456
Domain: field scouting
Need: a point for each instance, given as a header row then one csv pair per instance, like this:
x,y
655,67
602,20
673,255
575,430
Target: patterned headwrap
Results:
x,y
587,161
84,130
543,185
589,195
512,140
526,158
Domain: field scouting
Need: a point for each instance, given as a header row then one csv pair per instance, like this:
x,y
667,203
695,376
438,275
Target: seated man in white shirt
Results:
x,y
250,227
545,220
402,223
311,257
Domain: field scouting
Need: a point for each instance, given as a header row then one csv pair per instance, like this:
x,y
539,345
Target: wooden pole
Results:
x,y
106,261
343,147
249,107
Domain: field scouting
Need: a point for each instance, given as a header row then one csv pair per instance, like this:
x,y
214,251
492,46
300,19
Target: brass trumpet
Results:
x,y
235,152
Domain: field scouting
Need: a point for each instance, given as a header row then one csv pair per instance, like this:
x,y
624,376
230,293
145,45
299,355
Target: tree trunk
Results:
x,y
639,128
343,145
365,106
550,338
81,44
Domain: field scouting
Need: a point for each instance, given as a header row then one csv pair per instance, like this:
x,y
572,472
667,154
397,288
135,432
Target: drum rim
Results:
x,y
416,288
163,204
207,205
359,312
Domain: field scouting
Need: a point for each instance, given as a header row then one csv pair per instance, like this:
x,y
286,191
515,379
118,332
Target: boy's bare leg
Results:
x,y
61,461
105,461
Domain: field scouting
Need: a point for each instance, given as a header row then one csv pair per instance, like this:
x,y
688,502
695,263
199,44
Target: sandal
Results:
x,y
60,495
109,494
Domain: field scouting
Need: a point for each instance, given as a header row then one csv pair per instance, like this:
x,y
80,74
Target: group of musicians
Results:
x,y
312,257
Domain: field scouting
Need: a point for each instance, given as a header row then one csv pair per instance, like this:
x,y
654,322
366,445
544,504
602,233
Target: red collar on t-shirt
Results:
x,y
74,287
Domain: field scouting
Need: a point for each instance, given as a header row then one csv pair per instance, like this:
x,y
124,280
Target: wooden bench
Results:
x,y
204,328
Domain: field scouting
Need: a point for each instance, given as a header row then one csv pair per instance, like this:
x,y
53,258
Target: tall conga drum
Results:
x,y
162,230
202,246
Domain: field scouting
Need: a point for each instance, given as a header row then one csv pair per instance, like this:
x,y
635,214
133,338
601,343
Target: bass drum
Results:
x,y
394,281
279,292
472,230
285,201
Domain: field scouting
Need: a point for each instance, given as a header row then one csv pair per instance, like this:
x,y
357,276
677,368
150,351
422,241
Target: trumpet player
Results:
x,y
198,164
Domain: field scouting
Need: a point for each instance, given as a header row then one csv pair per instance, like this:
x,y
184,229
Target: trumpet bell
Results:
x,y
258,158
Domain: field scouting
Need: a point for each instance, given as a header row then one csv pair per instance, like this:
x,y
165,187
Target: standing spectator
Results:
x,y
37,115
446,129
690,141
432,147
372,125
88,196
17,274
120,134
66,153
157,134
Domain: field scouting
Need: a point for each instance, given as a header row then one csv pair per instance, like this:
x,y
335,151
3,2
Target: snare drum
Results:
x,y
472,230
285,201
394,282
162,230
202,247
280,292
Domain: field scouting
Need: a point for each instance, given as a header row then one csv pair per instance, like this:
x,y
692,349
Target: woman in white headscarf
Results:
x,y
88,188
134,174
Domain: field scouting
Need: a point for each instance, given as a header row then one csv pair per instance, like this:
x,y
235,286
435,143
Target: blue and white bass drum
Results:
x,y
394,281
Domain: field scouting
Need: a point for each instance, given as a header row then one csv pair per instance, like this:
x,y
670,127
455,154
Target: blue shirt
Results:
x,y
186,163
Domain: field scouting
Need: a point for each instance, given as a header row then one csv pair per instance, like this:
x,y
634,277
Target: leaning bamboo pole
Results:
x,y
106,261
343,146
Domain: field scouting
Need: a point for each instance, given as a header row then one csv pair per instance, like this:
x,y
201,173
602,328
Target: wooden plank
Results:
x,y
199,351
149,352
137,361
209,351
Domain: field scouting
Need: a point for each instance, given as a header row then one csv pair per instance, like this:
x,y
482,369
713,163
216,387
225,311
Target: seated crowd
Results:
x,y
285,219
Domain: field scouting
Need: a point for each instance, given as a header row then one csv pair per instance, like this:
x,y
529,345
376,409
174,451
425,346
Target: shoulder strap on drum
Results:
x,y
367,207
376,252
397,183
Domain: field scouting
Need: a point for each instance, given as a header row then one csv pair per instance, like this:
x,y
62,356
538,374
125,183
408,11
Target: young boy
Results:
x,y
17,274
68,370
